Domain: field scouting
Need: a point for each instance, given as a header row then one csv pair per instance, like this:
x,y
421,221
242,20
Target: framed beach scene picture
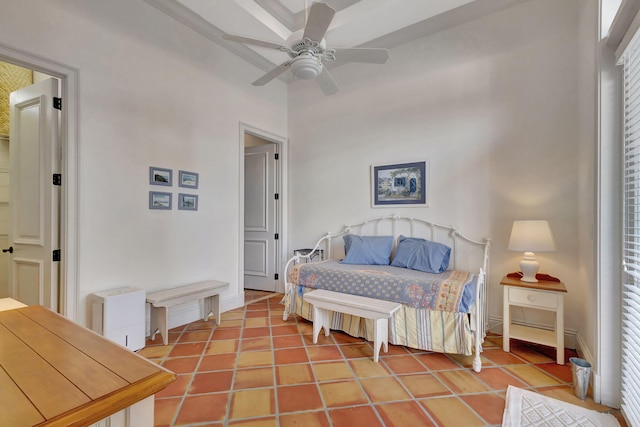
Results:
x,y
188,179
160,176
400,184
160,200
188,202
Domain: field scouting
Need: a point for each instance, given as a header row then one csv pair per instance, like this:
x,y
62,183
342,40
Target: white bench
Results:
x,y
160,302
324,302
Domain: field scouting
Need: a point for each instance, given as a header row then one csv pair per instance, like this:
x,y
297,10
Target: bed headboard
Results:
x,y
466,253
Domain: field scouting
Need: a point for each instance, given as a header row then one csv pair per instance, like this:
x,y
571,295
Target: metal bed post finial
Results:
x,y
454,239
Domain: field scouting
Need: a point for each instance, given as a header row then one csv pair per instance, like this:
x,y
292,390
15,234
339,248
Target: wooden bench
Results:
x,y
160,301
324,302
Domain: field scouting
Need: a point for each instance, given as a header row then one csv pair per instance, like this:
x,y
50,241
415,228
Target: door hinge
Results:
x,y
56,255
277,196
57,103
276,156
277,236
275,276
57,179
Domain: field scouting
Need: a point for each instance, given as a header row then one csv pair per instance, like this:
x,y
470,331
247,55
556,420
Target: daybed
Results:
x,y
436,273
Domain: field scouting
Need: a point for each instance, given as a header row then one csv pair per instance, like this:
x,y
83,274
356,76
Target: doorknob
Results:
x,y
10,250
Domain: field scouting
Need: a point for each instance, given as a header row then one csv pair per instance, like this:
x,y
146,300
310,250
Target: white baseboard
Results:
x,y
570,340
597,381
583,350
231,303
192,311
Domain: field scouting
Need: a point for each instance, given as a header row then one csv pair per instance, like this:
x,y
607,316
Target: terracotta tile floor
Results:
x,y
257,370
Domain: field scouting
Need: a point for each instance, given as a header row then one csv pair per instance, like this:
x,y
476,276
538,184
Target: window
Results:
x,y
631,234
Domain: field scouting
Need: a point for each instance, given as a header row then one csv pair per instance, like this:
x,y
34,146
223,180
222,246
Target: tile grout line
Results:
x,y
413,397
195,372
274,369
346,360
235,369
184,393
389,370
232,391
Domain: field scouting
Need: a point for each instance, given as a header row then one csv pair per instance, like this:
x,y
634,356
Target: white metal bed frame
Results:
x,y
409,227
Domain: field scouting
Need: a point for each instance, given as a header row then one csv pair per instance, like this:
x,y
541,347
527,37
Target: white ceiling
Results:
x,y
357,23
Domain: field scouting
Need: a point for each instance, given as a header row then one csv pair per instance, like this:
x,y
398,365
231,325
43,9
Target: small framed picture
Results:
x,y
160,176
160,200
187,202
188,179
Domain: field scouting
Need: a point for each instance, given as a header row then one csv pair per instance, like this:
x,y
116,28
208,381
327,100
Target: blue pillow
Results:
x,y
422,255
367,250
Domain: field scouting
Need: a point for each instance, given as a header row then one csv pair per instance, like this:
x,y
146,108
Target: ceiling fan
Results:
x,y
308,53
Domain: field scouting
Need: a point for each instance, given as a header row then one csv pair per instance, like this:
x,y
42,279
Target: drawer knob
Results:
x,y
531,298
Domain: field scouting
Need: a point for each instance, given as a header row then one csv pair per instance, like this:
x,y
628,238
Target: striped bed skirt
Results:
x,y
419,328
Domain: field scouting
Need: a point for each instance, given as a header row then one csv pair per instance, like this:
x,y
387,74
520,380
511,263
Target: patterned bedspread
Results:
x,y
451,291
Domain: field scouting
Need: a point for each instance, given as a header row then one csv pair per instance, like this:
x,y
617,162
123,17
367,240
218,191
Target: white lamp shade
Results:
x,y
531,236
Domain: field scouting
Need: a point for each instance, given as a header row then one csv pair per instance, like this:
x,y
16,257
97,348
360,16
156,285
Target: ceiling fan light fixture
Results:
x,y
306,67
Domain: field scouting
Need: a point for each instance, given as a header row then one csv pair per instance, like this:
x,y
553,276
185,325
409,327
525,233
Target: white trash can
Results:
x,y
580,373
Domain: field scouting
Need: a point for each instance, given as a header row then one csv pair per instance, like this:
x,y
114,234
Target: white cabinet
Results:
x,y
543,295
119,315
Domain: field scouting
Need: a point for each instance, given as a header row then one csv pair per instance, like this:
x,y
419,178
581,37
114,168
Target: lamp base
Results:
x,y
529,267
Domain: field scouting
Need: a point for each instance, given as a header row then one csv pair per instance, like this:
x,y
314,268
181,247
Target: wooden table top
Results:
x,y
540,284
56,373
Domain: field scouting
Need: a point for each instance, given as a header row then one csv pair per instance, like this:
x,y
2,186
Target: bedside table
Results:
x,y
542,295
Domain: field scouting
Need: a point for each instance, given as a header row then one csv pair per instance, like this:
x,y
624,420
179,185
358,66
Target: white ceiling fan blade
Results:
x,y
320,16
326,83
362,54
272,74
254,42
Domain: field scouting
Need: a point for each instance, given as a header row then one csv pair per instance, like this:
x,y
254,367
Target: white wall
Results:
x,y
492,103
152,93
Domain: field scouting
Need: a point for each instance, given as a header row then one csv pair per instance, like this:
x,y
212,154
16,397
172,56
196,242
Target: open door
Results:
x,y
260,221
34,158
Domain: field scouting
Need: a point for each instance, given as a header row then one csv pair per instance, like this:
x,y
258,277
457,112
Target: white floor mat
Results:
x,y
528,409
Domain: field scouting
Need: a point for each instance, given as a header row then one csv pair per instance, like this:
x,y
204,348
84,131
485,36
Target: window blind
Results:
x,y
631,235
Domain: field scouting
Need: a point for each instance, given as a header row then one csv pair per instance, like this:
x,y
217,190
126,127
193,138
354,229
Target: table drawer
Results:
x,y
532,298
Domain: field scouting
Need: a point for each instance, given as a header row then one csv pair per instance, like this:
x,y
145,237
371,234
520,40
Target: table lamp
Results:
x,y
531,236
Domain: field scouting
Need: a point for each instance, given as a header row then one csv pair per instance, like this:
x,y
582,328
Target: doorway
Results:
x,y
262,211
66,303
33,224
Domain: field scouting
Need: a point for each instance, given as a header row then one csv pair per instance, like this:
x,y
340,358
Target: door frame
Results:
x,y
68,292
281,216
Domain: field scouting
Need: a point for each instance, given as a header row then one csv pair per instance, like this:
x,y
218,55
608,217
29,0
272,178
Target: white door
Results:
x,y
260,218
34,157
